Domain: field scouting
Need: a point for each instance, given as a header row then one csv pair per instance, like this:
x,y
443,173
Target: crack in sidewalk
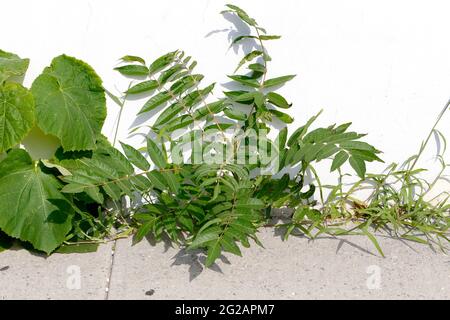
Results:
x,y
110,271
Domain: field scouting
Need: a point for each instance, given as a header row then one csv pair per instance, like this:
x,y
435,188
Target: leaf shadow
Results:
x,y
61,212
135,78
168,244
142,118
195,259
23,245
280,232
437,139
240,28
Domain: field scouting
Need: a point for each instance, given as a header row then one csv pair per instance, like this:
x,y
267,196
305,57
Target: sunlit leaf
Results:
x,y
70,103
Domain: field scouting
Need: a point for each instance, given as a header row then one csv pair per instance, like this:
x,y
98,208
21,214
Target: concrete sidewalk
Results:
x,y
327,268
29,275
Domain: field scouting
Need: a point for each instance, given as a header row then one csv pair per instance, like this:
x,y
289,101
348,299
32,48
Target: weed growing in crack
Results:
x,y
209,175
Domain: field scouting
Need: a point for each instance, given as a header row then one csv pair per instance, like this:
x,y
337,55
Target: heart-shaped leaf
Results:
x,y
32,208
70,103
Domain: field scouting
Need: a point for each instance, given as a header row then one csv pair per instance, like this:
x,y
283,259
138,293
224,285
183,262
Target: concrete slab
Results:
x,y
327,268
30,275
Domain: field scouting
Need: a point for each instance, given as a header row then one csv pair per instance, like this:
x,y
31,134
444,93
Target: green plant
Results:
x,y
227,188
68,101
209,175
398,202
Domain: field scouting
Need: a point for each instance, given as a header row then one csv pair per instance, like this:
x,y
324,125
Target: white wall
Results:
x,y
385,65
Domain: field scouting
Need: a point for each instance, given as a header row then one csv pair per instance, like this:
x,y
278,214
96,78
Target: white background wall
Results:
x,y
385,65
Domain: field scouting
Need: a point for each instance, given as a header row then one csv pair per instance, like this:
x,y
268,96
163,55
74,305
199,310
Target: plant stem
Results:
x,y
121,105
425,143
117,125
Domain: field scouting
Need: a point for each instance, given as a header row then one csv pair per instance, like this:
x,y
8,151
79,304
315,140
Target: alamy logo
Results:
x,y
373,282
73,281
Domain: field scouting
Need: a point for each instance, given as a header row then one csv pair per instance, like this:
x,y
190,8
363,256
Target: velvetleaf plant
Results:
x,y
212,176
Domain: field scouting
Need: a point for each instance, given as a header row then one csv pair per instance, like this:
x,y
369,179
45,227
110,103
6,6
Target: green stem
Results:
x,y
424,144
121,105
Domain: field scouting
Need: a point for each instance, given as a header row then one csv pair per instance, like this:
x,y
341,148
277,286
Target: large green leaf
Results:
x,y
70,103
11,65
31,206
16,114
